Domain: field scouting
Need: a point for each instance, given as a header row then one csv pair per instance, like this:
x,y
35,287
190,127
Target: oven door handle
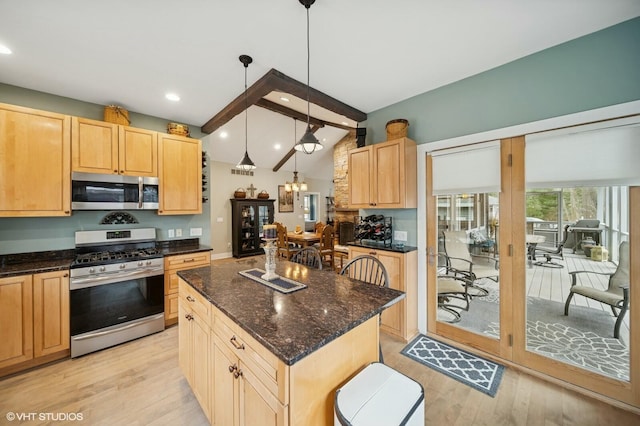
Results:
x,y
115,330
115,277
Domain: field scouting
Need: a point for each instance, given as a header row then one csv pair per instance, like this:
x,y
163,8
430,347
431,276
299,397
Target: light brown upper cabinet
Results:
x,y
180,175
101,147
35,162
383,175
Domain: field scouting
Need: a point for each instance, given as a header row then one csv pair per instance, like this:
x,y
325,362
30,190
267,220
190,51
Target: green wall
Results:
x,y
597,70
18,235
594,71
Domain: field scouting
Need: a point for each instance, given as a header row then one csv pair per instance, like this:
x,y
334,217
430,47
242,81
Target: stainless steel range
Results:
x,y
116,288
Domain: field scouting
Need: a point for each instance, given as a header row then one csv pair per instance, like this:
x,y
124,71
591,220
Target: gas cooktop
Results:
x,y
94,248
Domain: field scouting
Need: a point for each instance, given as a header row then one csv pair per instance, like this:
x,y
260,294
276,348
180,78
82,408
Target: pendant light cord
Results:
x,y
246,111
295,153
308,72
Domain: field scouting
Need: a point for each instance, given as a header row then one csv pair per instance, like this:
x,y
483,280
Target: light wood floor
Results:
x,y
140,383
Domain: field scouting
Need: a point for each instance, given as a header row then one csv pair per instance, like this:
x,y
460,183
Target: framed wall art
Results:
x,y
285,200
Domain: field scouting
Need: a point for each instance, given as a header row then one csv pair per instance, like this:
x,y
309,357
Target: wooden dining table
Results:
x,y
304,239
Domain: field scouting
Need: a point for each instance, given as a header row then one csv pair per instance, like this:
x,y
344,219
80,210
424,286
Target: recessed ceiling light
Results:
x,y
324,139
277,146
5,50
284,99
223,135
345,123
172,97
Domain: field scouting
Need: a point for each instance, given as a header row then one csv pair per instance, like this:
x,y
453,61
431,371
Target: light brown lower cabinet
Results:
x,y
172,265
194,342
249,385
34,320
401,319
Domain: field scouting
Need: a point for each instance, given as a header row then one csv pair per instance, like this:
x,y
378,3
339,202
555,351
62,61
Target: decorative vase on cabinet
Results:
x,y
248,216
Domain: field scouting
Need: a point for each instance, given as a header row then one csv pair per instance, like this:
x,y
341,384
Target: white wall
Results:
x,y
222,185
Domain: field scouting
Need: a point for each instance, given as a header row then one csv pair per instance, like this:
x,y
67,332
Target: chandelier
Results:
x,y
295,186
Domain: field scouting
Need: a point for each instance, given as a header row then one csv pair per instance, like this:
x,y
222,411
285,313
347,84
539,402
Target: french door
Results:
x,y
511,318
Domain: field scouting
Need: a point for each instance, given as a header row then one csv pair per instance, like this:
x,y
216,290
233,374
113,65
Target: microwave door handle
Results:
x,y
140,187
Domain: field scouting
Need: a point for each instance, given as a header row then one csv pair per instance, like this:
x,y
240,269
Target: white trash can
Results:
x,y
379,395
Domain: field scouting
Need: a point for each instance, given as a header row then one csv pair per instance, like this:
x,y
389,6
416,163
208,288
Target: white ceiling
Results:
x,y
365,53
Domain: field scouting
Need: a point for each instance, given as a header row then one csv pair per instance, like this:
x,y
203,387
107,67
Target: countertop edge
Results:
x,y
270,347
30,267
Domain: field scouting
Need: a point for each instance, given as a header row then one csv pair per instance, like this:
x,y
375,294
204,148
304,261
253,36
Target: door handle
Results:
x,y
234,342
431,256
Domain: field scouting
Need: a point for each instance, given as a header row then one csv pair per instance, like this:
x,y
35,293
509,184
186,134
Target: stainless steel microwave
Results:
x,y
91,191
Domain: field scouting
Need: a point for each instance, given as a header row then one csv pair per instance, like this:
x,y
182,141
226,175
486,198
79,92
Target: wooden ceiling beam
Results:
x,y
292,151
257,90
274,80
281,109
287,84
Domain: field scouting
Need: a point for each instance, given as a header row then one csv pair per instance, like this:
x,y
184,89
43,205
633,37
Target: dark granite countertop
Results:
x,y
35,262
394,247
176,247
290,325
58,260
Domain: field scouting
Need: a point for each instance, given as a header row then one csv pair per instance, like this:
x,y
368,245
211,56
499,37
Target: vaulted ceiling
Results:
x,y
365,54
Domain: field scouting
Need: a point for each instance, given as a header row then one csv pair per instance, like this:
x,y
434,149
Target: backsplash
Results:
x,y
20,235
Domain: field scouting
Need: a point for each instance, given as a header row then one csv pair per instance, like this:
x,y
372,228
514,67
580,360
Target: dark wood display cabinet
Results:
x,y
248,216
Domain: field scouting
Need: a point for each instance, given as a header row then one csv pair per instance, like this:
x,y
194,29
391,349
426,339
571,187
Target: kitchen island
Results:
x,y
269,357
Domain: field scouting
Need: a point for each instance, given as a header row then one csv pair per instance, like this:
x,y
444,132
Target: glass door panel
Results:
x,y
574,317
248,229
569,316
468,286
464,277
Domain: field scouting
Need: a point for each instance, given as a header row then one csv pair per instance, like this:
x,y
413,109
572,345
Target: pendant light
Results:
x,y
246,163
295,186
308,143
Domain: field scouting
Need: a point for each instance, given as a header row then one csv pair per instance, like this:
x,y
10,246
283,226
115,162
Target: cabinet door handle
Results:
x,y
233,368
234,342
189,317
190,299
115,171
237,374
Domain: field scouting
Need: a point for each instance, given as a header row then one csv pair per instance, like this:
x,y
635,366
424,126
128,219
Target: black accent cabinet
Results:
x,y
247,219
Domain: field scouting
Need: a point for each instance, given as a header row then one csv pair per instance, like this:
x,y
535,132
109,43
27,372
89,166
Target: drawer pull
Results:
x,y
234,342
373,253
190,299
233,368
188,260
189,317
237,374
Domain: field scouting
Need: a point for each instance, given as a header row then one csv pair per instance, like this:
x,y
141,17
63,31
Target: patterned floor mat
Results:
x,y
479,373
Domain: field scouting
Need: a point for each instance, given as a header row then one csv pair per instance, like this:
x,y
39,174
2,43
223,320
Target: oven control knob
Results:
x,y
91,270
122,266
141,263
102,269
149,262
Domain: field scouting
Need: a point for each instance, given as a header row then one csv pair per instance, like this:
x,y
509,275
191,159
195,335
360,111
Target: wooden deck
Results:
x,y
554,283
